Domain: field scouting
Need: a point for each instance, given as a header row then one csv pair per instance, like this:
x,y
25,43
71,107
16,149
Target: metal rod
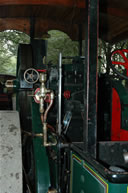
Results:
x,y
59,121
60,94
72,57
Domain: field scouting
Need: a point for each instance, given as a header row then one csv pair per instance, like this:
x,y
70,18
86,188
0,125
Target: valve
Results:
x,y
37,96
42,92
31,76
67,94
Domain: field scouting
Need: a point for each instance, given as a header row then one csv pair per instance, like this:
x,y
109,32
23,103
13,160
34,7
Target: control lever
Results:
x,y
67,120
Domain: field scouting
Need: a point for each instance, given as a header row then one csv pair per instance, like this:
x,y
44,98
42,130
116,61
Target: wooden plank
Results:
x,y
42,26
67,3
19,24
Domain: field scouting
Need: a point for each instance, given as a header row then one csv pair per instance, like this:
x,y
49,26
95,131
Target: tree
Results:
x,y
105,51
9,41
60,42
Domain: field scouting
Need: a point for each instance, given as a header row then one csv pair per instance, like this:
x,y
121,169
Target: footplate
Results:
x,y
10,153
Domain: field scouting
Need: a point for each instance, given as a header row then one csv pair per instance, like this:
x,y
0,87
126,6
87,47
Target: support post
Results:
x,y
90,79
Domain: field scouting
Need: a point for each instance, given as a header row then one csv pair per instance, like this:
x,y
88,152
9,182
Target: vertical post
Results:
x,y
39,47
60,94
90,81
39,52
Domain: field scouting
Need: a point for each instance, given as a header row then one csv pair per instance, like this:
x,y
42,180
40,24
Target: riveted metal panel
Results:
x,y
10,153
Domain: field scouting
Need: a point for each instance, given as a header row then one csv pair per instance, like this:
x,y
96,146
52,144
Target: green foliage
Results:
x,y
9,41
104,53
60,42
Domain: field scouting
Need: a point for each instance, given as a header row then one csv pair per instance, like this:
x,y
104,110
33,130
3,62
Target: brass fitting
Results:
x,y
52,96
45,141
41,105
9,84
52,191
43,77
43,91
45,134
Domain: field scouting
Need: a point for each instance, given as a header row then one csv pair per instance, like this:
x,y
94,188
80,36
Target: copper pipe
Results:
x,y
47,110
46,143
44,117
48,125
51,127
49,106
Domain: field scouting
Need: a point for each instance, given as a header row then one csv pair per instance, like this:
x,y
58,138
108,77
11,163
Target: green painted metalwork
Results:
x,y
42,173
85,179
53,167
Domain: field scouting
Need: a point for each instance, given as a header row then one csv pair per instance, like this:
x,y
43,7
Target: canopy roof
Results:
x,y
65,15
113,20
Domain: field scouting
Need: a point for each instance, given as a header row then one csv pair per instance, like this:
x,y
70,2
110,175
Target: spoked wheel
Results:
x,y
120,58
31,76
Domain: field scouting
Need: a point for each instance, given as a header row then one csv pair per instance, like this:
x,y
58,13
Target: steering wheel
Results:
x,y
123,61
31,76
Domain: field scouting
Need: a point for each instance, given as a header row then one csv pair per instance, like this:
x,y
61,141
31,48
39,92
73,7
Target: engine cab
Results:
x,y
69,130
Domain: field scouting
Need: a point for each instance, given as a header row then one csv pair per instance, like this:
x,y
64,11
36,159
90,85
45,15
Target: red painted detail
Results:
x,y
125,59
47,99
35,99
67,94
117,134
42,70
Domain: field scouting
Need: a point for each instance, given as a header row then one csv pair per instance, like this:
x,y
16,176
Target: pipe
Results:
x,y
45,134
32,134
51,127
49,106
46,144
41,105
42,117
48,125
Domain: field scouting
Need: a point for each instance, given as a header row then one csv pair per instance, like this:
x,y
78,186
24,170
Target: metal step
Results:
x,y
10,153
